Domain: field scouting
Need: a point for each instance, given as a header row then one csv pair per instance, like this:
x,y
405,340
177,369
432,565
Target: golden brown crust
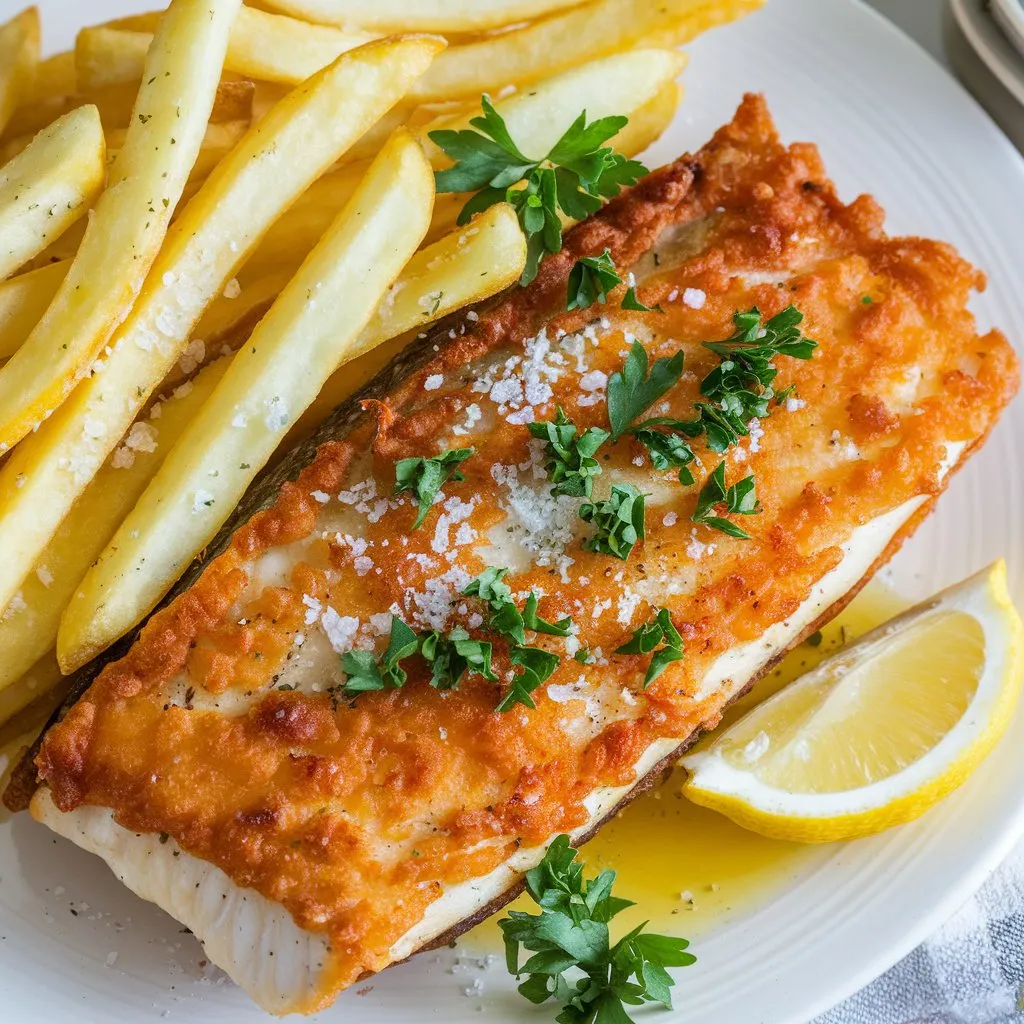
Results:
x,y
355,814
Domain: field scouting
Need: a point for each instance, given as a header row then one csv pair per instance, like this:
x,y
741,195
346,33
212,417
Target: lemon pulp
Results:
x,y
897,700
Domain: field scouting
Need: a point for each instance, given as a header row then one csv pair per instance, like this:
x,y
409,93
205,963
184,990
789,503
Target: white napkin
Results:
x,y
970,972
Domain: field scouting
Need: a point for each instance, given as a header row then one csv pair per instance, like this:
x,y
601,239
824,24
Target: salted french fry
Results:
x,y
585,33
464,267
130,219
146,21
213,236
29,628
269,47
312,328
55,77
19,55
226,314
421,15
50,185
23,300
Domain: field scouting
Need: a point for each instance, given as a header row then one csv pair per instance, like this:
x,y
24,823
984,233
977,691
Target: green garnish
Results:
x,y
631,392
740,387
570,458
511,623
363,671
739,499
425,477
667,448
574,177
571,934
630,301
619,521
658,633
590,280
814,640
451,656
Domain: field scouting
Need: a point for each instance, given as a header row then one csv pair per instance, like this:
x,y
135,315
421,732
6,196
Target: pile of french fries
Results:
x,y
216,222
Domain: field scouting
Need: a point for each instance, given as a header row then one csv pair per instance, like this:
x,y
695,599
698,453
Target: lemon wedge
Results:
x,y
880,731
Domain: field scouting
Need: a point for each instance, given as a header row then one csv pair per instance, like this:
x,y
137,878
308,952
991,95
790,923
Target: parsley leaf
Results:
x,y
630,301
740,388
590,280
571,179
667,447
570,458
631,392
571,934
511,623
425,477
362,670
659,632
619,521
451,656
739,499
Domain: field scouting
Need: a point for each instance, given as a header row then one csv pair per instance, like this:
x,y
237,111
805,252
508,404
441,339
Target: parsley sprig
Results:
x,y
590,281
660,636
424,477
632,390
619,521
573,177
571,934
739,499
570,462
593,277
506,619
450,657
740,388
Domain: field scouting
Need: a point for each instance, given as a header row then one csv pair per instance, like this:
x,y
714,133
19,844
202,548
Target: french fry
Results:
x,y
130,219
109,56
54,78
312,328
50,185
19,55
29,628
269,47
537,118
228,313
421,15
585,33
464,267
202,252
23,300
36,693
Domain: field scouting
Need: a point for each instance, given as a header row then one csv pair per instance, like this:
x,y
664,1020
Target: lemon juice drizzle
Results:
x,y
690,870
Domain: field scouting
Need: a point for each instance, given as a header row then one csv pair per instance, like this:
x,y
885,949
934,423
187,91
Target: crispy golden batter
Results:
x,y
356,814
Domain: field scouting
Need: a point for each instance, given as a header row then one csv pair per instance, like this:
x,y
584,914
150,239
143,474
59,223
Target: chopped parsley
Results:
x,y
631,391
425,477
619,521
660,636
508,621
739,389
363,671
451,656
571,934
570,462
630,301
590,281
739,499
571,179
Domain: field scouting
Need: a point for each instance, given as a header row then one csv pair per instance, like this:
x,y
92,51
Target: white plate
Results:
x,y
888,120
1010,16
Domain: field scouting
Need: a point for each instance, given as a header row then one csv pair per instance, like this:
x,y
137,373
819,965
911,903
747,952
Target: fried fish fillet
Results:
x,y
214,762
